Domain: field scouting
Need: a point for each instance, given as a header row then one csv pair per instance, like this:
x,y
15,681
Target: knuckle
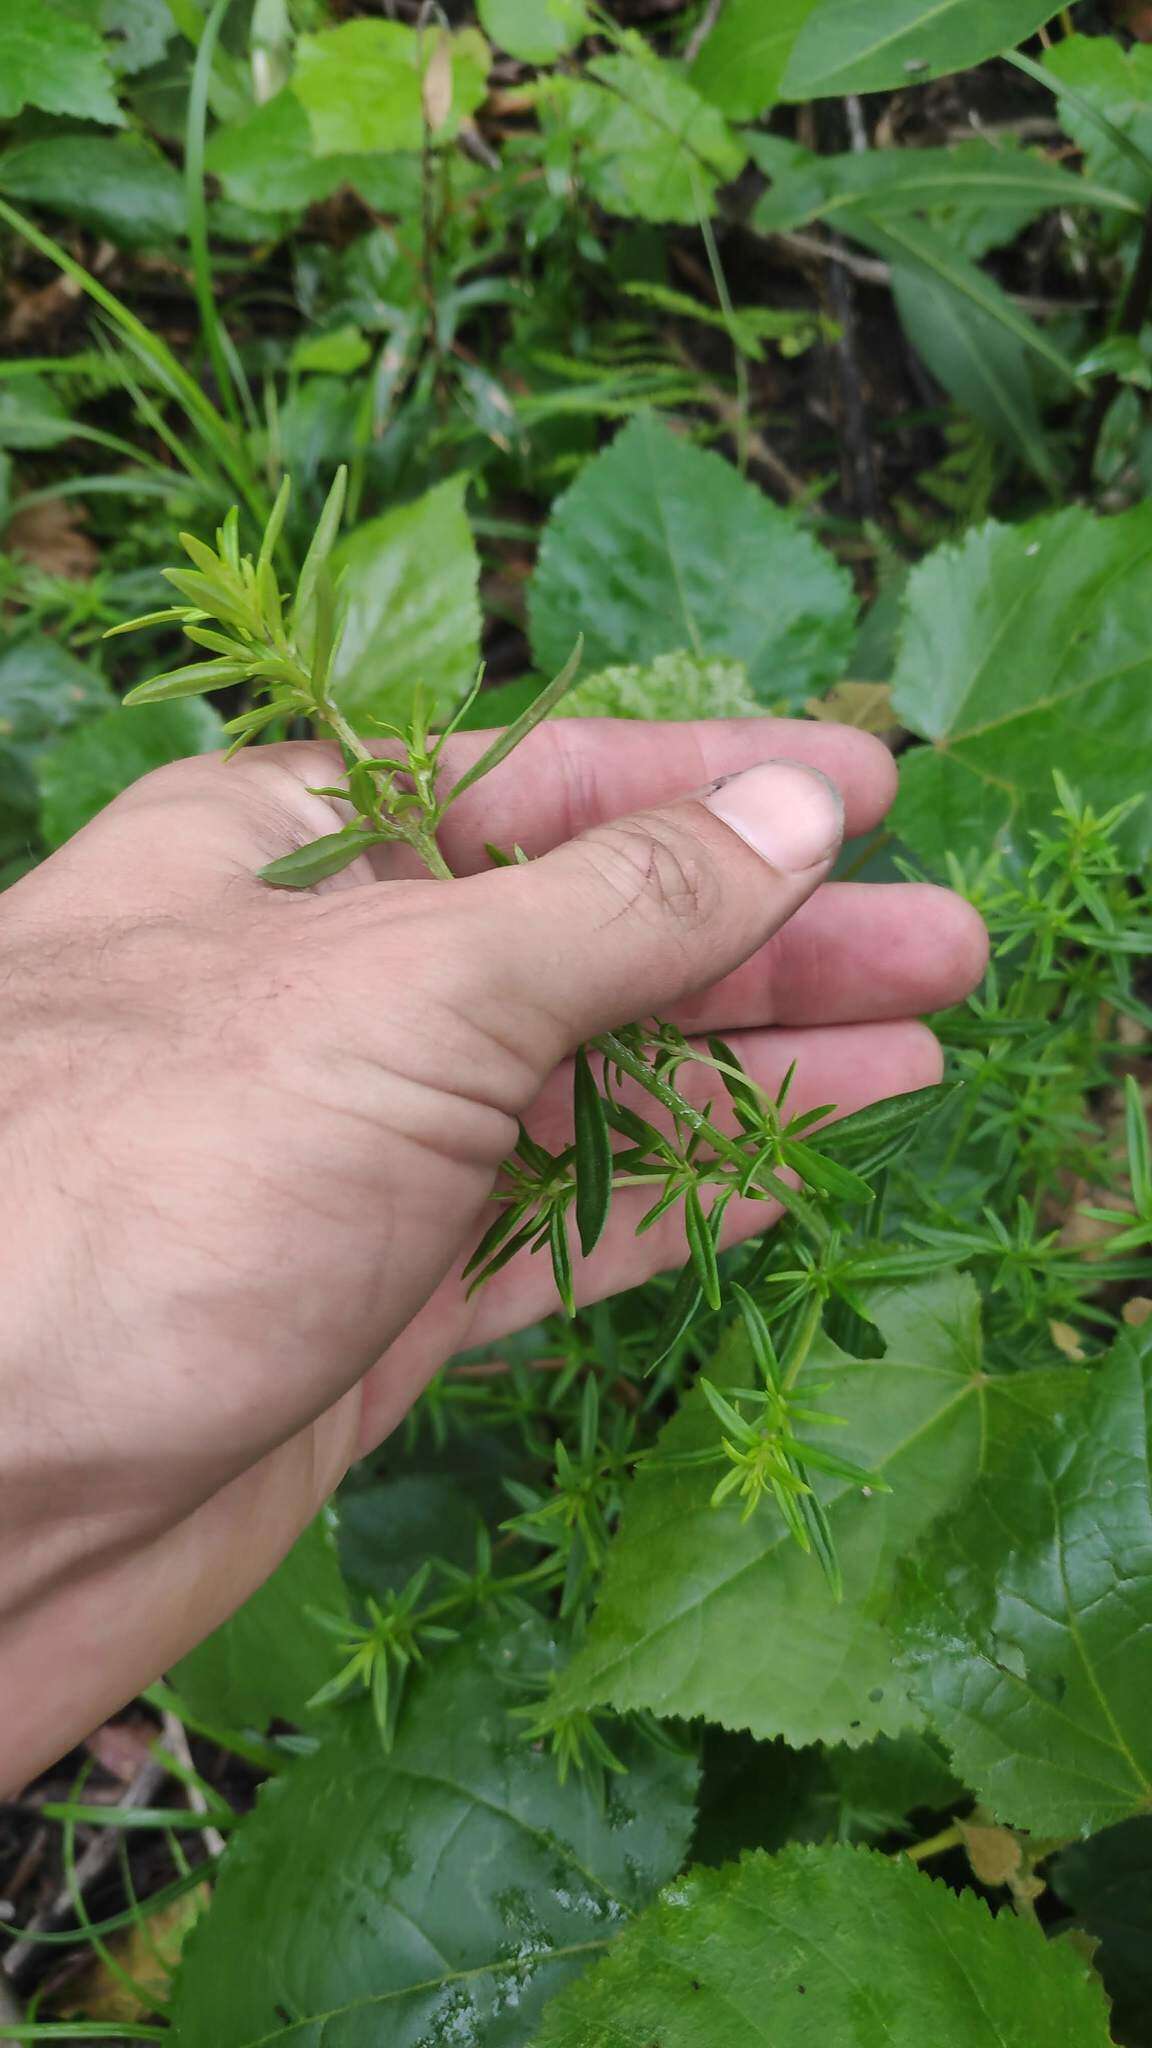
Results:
x,y
657,867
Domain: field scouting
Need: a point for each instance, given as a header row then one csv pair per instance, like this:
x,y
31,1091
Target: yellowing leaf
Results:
x,y
867,706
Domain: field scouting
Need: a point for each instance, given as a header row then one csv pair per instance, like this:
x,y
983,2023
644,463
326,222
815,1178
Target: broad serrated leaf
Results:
x,y
85,770
1026,1619
1107,1882
267,161
32,415
702,1613
873,45
44,692
536,31
117,184
742,62
360,84
673,686
646,143
1024,650
440,1892
832,1945
50,59
267,1660
660,546
138,33
409,580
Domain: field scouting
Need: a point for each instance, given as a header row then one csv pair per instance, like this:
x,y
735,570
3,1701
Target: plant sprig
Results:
x,y
281,652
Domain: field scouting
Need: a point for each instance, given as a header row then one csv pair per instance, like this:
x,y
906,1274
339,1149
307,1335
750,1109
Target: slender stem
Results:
x,y
936,1845
197,213
740,361
804,1340
1129,320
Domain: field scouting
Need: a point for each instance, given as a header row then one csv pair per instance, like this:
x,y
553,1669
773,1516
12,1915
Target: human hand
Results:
x,y
250,1138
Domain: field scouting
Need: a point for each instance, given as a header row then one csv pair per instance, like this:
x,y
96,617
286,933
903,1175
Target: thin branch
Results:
x,y
702,31
177,1745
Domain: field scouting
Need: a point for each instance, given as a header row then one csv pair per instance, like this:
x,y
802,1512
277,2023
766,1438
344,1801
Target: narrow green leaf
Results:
x,y
167,617
722,1409
818,1528
873,1137
687,1296
323,542
528,720
745,1101
593,1156
759,1335
493,1238
827,1175
1138,1144
561,1258
275,524
700,1232
324,857
828,1947
194,681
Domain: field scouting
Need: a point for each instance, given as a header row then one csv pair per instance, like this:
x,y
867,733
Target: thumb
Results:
x,y
633,916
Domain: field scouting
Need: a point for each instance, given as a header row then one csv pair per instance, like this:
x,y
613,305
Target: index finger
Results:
x,y
572,773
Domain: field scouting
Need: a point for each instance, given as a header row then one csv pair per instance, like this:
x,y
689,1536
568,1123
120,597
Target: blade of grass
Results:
x,y
1061,90
230,380
171,374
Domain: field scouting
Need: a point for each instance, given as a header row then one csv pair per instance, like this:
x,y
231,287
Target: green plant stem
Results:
x,y
935,1845
743,394
1129,320
619,1054
224,369
422,839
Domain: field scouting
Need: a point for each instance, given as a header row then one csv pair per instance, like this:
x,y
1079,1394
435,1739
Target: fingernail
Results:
x,y
790,814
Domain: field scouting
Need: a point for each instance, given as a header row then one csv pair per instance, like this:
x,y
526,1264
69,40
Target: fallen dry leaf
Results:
x,y
50,535
1066,1340
867,706
437,88
1137,1311
995,1854
149,1952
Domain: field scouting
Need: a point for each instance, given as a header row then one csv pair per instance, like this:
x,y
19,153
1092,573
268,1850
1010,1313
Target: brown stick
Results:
x,y
90,1867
